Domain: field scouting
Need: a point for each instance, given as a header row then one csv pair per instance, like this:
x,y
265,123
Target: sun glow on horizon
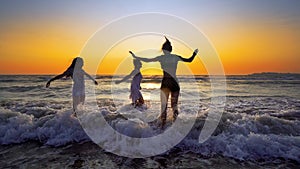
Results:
x,y
249,37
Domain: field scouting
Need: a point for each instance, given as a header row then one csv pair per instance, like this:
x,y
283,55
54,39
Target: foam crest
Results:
x,y
55,130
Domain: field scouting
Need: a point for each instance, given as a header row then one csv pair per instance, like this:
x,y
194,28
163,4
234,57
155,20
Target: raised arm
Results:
x,y
144,59
191,58
90,77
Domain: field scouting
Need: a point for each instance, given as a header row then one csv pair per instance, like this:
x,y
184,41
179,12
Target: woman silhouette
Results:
x,y
169,83
76,72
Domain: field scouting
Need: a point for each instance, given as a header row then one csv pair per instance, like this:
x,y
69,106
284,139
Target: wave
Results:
x,y
248,137
241,136
54,129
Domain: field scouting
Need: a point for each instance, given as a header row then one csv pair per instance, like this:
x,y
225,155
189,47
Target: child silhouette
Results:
x,y
135,93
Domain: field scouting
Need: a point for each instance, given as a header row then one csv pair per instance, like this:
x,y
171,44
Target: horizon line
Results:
x,y
46,74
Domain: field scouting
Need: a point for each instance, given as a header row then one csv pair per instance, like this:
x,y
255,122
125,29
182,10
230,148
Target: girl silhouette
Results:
x,y
76,72
135,93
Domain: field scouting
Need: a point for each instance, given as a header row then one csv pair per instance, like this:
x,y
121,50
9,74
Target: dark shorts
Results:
x,y
170,83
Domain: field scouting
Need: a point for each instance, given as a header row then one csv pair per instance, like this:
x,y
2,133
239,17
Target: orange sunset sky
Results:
x,y
42,37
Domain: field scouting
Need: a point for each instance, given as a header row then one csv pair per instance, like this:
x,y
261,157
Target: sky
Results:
x,y
42,37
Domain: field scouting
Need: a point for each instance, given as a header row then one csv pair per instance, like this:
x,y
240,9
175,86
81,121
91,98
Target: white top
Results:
x,y
78,79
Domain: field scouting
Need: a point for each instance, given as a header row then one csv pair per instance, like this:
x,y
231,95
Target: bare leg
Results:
x,y
174,104
164,95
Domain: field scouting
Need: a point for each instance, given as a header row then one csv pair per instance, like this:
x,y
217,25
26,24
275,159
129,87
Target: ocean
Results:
x,y
259,127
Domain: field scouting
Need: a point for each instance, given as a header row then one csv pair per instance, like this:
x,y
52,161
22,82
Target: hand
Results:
x,y
133,55
96,83
48,84
196,51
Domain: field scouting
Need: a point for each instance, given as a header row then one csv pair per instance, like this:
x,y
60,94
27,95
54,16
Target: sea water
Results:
x,y
260,125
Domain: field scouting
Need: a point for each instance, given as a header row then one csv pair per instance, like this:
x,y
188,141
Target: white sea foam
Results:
x,y
241,136
247,137
55,130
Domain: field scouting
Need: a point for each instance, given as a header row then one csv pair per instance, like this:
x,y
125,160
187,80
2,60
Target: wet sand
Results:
x,y
89,155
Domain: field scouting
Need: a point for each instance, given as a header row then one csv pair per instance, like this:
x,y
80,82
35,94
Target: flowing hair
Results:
x,y
70,70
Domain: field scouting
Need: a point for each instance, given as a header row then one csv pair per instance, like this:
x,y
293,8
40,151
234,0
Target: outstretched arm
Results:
x,y
55,78
90,77
144,59
191,58
126,77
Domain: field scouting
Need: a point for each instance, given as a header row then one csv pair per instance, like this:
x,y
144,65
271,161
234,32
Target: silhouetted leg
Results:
x,y
174,104
141,100
76,101
164,95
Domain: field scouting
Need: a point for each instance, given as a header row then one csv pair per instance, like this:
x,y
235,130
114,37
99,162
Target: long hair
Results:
x,y
70,70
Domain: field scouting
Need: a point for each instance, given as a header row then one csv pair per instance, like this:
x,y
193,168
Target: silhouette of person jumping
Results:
x,y
76,72
169,84
135,93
